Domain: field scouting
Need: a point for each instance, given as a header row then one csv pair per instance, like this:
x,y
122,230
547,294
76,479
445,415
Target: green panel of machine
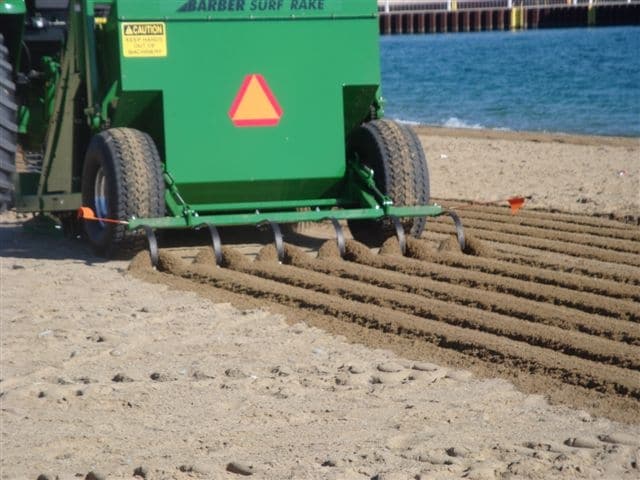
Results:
x,y
297,150
246,9
12,7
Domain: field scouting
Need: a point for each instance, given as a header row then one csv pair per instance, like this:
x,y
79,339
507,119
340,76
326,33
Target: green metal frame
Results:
x,y
286,217
377,206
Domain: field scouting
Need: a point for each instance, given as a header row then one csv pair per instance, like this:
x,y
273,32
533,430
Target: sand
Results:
x,y
102,371
563,172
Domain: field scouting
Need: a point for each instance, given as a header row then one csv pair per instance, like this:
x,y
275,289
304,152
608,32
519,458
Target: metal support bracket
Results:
x,y
277,233
216,242
402,238
459,229
339,236
153,245
366,191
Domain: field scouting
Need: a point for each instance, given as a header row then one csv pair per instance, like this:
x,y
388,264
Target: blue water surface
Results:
x,y
581,80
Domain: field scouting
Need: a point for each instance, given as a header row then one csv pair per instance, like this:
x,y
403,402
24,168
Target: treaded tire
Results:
x,y
394,152
123,168
8,130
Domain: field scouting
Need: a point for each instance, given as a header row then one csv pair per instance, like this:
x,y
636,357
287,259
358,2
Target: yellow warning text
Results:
x,y
144,39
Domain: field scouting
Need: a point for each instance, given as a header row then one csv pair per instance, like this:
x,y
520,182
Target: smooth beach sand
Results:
x,y
572,173
104,372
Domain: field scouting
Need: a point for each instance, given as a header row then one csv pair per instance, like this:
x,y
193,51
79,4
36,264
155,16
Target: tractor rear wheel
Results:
x,y
394,152
8,129
122,178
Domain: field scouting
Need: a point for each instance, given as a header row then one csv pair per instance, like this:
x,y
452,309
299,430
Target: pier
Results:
x,y
437,16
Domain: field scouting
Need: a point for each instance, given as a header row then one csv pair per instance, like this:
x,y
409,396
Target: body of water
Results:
x,y
584,81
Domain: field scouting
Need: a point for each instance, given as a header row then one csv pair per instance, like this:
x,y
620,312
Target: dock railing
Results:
x,y
388,6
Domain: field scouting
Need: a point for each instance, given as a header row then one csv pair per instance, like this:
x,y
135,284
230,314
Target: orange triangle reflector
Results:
x,y
516,203
255,104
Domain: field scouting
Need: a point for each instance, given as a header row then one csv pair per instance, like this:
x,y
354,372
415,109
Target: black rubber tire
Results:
x,y
394,152
8,129
131,167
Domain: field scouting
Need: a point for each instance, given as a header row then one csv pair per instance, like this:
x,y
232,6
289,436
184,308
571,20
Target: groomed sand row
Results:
x,y
538,324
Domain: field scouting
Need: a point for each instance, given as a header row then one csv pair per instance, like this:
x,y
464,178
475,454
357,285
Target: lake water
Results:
x,y
579,80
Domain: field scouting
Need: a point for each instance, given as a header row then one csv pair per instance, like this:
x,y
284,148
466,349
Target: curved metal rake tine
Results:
x,y
402,238
339,236
216,242
153,245
277,233
459,229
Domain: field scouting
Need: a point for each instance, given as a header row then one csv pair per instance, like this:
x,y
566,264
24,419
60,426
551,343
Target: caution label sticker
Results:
x,y
144,39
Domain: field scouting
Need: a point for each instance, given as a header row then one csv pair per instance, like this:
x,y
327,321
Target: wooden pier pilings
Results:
x,y
487,19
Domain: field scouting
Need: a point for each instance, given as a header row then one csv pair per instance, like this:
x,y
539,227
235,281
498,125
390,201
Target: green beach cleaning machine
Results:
x,y
140,115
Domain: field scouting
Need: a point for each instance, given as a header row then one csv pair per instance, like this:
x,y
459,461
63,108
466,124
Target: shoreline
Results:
x,y
554,137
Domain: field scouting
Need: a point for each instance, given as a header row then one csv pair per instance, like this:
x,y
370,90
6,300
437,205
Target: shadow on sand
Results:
x,y
39,238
